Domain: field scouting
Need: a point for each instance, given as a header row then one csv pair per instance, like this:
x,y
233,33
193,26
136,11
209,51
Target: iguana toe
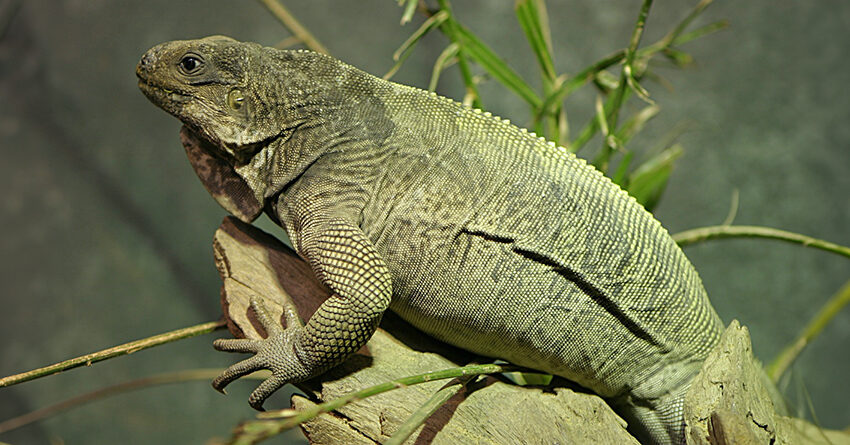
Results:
x,y
237,345
232,373
275,353
267,388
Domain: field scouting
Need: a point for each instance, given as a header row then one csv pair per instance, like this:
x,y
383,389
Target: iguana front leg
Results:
x,y
346,261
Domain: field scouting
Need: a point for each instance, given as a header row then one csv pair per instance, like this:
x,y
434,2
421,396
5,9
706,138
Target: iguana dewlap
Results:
x,y
473,230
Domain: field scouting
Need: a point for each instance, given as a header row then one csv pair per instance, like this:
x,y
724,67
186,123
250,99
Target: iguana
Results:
x,y
473,230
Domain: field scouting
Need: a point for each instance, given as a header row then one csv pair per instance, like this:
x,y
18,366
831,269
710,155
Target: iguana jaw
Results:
x,y
168,99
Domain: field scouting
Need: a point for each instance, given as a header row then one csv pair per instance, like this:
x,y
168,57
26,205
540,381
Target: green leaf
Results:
x,y
443,61
626,80
403,51
648,181
409,9
530,20
635,123
564,88
606,81
451,29
622,169
533,20
679,58
494,65
437,400
528,378
600,117
604,155
635,85
701,31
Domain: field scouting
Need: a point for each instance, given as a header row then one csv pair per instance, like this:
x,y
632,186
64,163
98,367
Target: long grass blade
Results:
x,y
529,19
409,9
403,51
442,62
253,431
648,181
701,234
495,66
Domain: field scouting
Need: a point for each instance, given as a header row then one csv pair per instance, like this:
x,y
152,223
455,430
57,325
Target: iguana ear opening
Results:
x,y
220,179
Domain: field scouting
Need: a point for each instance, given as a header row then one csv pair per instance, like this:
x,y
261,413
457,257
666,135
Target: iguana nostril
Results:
x,y
147,62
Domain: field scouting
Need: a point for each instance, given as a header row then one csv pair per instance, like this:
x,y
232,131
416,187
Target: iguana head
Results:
x,y
235,98
215,87
240,101
211,85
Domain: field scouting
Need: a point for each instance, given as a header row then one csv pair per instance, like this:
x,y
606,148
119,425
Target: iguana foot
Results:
x,y
276,353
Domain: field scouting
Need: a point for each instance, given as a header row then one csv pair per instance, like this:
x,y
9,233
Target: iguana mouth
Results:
x,y
163,94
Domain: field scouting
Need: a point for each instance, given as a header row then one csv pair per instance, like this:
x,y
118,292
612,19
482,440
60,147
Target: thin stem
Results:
x,y
668,39
468,81
406,48
294,26
126,348
579,80
827,312
699,32
533,18
158,379
450,28
733,209
638,32
443,61
426,410
251,432
590,72
706,233
625,79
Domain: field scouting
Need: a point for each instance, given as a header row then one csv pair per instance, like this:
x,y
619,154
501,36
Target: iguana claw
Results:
x,y
275,352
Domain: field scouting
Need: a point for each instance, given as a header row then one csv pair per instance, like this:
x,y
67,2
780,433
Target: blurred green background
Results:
x,y
107,232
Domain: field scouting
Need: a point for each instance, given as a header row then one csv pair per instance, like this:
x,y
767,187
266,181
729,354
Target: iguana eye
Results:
x,y
235,99
190,64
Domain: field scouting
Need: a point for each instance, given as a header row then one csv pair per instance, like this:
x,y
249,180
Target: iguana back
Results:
x,y
509,246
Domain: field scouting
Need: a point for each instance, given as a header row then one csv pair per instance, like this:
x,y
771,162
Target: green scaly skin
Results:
x,y
473,230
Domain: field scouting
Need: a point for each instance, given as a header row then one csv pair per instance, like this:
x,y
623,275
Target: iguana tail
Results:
x,y
658,421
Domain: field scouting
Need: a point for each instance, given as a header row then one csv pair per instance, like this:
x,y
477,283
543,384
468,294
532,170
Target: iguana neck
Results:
x,y
334,127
